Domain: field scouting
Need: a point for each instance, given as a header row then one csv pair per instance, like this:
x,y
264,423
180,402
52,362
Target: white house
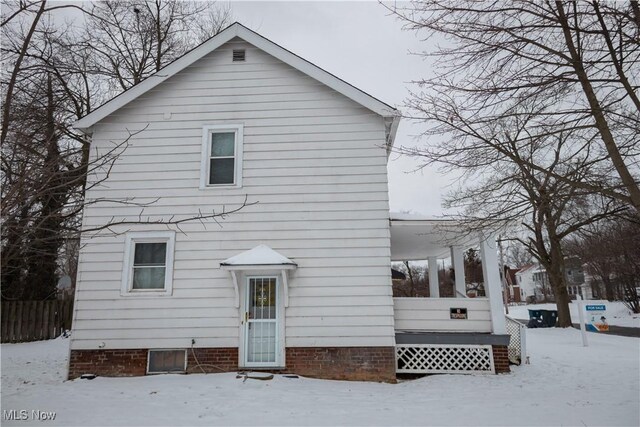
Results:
x,y
299,279
535,286
524,279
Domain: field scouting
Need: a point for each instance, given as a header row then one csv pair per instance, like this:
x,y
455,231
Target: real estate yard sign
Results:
x,y
597,317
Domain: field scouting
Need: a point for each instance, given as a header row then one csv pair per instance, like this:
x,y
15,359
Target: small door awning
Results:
x,y
262,257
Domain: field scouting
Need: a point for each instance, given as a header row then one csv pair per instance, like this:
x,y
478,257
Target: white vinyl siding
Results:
x,y
148,263
314,167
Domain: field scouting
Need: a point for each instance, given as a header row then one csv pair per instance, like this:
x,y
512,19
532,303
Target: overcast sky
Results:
x,y
360,43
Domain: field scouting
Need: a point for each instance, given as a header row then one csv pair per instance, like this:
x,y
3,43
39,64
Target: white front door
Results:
x,y
261,322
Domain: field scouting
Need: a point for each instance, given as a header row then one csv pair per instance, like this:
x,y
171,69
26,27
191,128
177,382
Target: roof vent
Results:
x,y
238,55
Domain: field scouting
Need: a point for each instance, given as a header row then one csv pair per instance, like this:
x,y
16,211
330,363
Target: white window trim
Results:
x,y
167,237
207,131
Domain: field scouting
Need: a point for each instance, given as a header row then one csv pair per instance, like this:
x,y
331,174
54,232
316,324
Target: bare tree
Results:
x,y
17,64
518,255
474,279
51,81
412,281
581,58
132,39
611,252
545,138
499,188
446,285
416,283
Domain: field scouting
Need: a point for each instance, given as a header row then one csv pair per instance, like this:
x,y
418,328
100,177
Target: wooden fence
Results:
x,y
24,321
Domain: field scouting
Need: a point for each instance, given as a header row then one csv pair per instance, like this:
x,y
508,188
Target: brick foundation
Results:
x,y
338,363
133,363
501,359
212,360
343,363
108,363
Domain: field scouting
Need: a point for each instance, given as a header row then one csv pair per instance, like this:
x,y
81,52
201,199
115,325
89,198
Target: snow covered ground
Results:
x,y
565,384
617,313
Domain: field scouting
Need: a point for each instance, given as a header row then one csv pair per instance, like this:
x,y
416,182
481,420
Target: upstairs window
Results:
x,y
221,156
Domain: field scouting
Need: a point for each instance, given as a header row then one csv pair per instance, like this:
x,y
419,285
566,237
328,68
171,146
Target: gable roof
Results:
x,y
275,50
526,268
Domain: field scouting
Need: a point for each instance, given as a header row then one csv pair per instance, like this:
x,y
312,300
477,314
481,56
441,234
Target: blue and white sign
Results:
x,y
596,317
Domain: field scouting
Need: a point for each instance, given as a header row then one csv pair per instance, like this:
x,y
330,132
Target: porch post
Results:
x,y
434,288
457,260
492,282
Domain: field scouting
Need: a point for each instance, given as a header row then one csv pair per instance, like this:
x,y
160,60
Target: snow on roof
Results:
x,y
260,255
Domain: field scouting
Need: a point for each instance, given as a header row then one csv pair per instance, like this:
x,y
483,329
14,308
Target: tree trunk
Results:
x,y
556,277
13,260
555,272
412,290
46,241
608,288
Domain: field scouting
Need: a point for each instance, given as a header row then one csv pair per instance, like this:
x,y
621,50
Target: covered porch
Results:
x,y
455,334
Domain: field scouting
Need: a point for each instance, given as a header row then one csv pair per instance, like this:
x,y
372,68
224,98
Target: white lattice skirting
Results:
x,y
444,359
517,342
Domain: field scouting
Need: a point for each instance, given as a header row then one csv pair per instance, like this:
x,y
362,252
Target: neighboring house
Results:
x,y
542,287
575,278
515,294
535,286
524,279
299,279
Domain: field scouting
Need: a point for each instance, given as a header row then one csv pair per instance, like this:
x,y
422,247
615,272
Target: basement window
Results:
x,y
167,362
238,55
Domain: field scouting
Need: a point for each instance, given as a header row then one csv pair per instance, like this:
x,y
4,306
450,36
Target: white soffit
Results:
x,y
417,237
238,30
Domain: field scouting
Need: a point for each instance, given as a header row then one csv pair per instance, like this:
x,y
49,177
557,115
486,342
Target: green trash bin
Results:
x,y
549,318
542,318
535,319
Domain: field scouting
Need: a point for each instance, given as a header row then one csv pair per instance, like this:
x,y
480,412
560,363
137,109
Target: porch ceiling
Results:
x,y
415,237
